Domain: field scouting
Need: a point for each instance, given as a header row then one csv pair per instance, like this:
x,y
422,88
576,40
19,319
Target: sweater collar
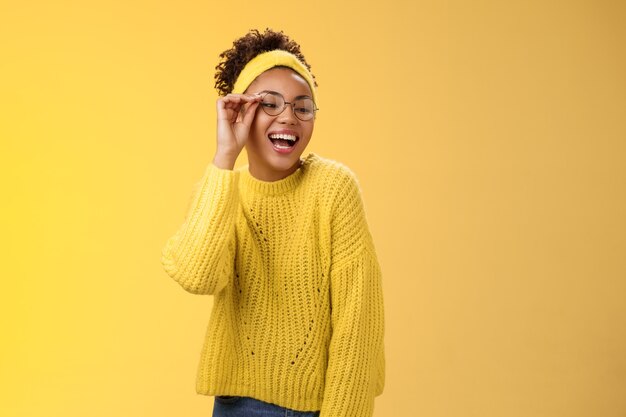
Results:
x,y
290,182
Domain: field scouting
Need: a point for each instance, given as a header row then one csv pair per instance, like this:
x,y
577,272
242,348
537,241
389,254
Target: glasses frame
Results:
x,y
285,103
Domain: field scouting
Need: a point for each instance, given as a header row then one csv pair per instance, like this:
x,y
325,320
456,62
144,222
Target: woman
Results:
x,y
284,247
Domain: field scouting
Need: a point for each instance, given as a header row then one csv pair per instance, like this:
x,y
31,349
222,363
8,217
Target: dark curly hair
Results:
x,y
246,48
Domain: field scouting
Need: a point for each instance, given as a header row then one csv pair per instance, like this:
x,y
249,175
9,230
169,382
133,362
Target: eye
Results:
x,y
305,106
269,105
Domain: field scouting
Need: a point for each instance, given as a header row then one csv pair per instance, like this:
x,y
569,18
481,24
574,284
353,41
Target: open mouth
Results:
x,y
283,141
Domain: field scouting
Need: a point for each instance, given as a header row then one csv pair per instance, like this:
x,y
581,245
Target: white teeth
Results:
x,y
291,138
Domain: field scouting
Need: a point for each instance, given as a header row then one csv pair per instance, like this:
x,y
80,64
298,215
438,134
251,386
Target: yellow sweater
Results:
x,y
298,316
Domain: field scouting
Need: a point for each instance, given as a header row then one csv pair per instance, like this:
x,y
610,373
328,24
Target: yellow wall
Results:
x,y
490,141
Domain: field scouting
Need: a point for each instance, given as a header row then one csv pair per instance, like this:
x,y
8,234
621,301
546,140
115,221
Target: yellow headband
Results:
x,y
266,60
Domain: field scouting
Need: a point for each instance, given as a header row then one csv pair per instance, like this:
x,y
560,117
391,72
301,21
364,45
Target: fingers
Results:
x,y
235,101
250,111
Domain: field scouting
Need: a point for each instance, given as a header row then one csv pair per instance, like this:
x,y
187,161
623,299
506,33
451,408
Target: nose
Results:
x,y
288,115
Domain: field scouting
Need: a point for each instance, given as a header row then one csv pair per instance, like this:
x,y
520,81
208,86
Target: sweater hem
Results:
x,y
263,394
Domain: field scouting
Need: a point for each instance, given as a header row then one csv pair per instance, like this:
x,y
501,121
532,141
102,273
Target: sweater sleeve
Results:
x,y
200,255
356,358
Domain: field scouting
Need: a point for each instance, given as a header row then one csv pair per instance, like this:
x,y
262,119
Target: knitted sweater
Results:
x,y
298,316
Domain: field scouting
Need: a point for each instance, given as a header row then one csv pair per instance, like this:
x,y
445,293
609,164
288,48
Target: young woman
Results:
x,y
283,245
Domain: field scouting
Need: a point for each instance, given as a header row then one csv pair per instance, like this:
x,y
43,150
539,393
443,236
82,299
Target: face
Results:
x,y
266,161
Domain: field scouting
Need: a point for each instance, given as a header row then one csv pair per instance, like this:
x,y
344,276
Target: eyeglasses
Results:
x,y
274,104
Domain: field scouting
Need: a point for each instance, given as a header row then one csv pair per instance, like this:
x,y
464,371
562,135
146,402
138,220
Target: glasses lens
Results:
x,y
304,108
272,104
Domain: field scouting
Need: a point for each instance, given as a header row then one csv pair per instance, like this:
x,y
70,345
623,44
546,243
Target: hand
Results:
x,y
235,113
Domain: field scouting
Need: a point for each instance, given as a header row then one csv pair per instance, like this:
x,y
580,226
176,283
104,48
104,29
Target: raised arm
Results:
x,y
201,254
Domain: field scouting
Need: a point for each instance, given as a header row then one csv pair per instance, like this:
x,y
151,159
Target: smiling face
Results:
x,y
267,160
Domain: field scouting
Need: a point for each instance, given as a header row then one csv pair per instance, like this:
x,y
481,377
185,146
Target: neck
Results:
x,y
267,174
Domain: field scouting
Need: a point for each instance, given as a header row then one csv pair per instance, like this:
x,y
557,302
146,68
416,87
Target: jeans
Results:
x,y
237,406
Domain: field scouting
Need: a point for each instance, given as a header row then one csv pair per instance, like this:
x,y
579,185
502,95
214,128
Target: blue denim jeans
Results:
x,y
236,406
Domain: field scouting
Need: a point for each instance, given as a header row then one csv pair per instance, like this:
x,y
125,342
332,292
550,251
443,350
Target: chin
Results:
x,y
284,163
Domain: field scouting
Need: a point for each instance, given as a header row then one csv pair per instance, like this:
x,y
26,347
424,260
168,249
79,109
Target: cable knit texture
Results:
x,y
298,317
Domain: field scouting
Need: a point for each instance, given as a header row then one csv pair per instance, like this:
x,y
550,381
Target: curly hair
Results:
x,y
247,47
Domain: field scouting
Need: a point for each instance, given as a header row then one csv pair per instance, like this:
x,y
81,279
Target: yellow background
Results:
x,y
490,141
